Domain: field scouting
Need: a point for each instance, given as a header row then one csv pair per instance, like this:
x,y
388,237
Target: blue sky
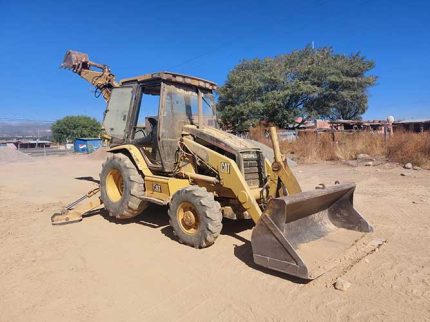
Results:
x,y
206,39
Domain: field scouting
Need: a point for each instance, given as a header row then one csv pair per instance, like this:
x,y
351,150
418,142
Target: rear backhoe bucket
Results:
x,y
73,59
304,234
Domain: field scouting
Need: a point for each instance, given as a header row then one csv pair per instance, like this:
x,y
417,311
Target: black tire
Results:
x,y
122,187
206,212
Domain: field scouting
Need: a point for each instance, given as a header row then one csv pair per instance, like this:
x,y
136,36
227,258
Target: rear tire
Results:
x,y
121,187
195,216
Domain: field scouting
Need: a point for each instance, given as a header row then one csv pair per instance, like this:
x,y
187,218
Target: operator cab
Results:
x,y
150,112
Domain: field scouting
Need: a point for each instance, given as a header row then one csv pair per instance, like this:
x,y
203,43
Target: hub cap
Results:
x,y
188,218
114,185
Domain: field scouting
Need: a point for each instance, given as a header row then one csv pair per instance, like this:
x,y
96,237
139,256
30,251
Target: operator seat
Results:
x,y
150,141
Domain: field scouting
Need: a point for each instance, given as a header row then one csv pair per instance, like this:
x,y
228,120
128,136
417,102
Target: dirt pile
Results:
x,y
99,154
11,155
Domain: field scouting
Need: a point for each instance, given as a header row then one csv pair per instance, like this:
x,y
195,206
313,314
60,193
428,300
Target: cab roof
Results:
x,y
172,77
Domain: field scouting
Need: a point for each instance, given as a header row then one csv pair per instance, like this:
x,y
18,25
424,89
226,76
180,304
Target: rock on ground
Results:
x,y
408,165
363,156
341,284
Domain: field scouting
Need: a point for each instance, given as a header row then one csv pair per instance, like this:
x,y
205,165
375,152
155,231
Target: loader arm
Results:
x,y
279,170
98,75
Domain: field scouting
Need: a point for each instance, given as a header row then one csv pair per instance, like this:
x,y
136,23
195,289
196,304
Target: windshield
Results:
x,y
181,108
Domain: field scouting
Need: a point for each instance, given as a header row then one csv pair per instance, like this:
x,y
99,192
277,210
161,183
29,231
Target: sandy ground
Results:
x,y
102,270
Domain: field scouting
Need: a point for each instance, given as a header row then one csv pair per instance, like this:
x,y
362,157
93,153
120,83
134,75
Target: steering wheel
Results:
x,y
140,129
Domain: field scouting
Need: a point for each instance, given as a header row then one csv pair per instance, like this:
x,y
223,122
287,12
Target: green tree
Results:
x,y
307,83
72,127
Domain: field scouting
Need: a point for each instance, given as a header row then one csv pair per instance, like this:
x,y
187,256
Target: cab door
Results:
x,y
178,107
118,117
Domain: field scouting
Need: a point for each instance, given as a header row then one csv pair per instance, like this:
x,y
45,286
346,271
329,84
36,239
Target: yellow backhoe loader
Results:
x,y
166,148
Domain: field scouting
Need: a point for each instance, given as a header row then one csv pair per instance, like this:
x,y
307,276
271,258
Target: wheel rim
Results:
x,y
114,185
188,218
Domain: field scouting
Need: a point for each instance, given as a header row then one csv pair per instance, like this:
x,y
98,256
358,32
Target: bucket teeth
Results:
x,y
304,234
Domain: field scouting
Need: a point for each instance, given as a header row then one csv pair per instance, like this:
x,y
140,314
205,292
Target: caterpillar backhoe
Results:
x,y
166,148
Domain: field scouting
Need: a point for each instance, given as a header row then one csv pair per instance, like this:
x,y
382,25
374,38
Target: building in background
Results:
x,y
317,127
418,125
374,126
27,144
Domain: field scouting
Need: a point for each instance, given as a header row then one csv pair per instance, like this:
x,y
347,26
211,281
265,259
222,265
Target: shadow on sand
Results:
x,y
91,179
156,217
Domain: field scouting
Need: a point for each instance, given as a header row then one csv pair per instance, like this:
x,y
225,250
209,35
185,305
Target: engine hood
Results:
x,y
221,139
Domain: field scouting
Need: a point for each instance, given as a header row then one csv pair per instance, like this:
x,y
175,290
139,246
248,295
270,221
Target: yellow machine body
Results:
x,y
196,169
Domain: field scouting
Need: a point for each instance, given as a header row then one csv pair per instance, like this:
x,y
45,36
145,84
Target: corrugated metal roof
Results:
x,y
413,121
25,141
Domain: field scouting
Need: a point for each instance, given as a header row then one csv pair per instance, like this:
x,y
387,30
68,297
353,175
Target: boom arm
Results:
x,y
102,78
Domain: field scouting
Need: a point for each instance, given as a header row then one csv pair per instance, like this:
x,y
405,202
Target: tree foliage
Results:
x,y
307,83
72,127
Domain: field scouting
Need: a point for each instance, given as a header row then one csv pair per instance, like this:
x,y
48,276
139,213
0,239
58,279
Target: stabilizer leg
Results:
x,y
74,212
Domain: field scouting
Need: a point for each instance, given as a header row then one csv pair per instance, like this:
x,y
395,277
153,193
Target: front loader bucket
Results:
x,y
304,234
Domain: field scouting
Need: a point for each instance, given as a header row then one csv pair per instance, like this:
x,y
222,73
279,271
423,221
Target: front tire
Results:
x,y
121,187
195,216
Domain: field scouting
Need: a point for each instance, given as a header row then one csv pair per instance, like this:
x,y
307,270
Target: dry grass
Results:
x,y
410,147
401,147
342,146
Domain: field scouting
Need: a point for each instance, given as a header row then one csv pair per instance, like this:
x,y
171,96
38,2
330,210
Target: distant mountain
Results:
x,y
34,130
